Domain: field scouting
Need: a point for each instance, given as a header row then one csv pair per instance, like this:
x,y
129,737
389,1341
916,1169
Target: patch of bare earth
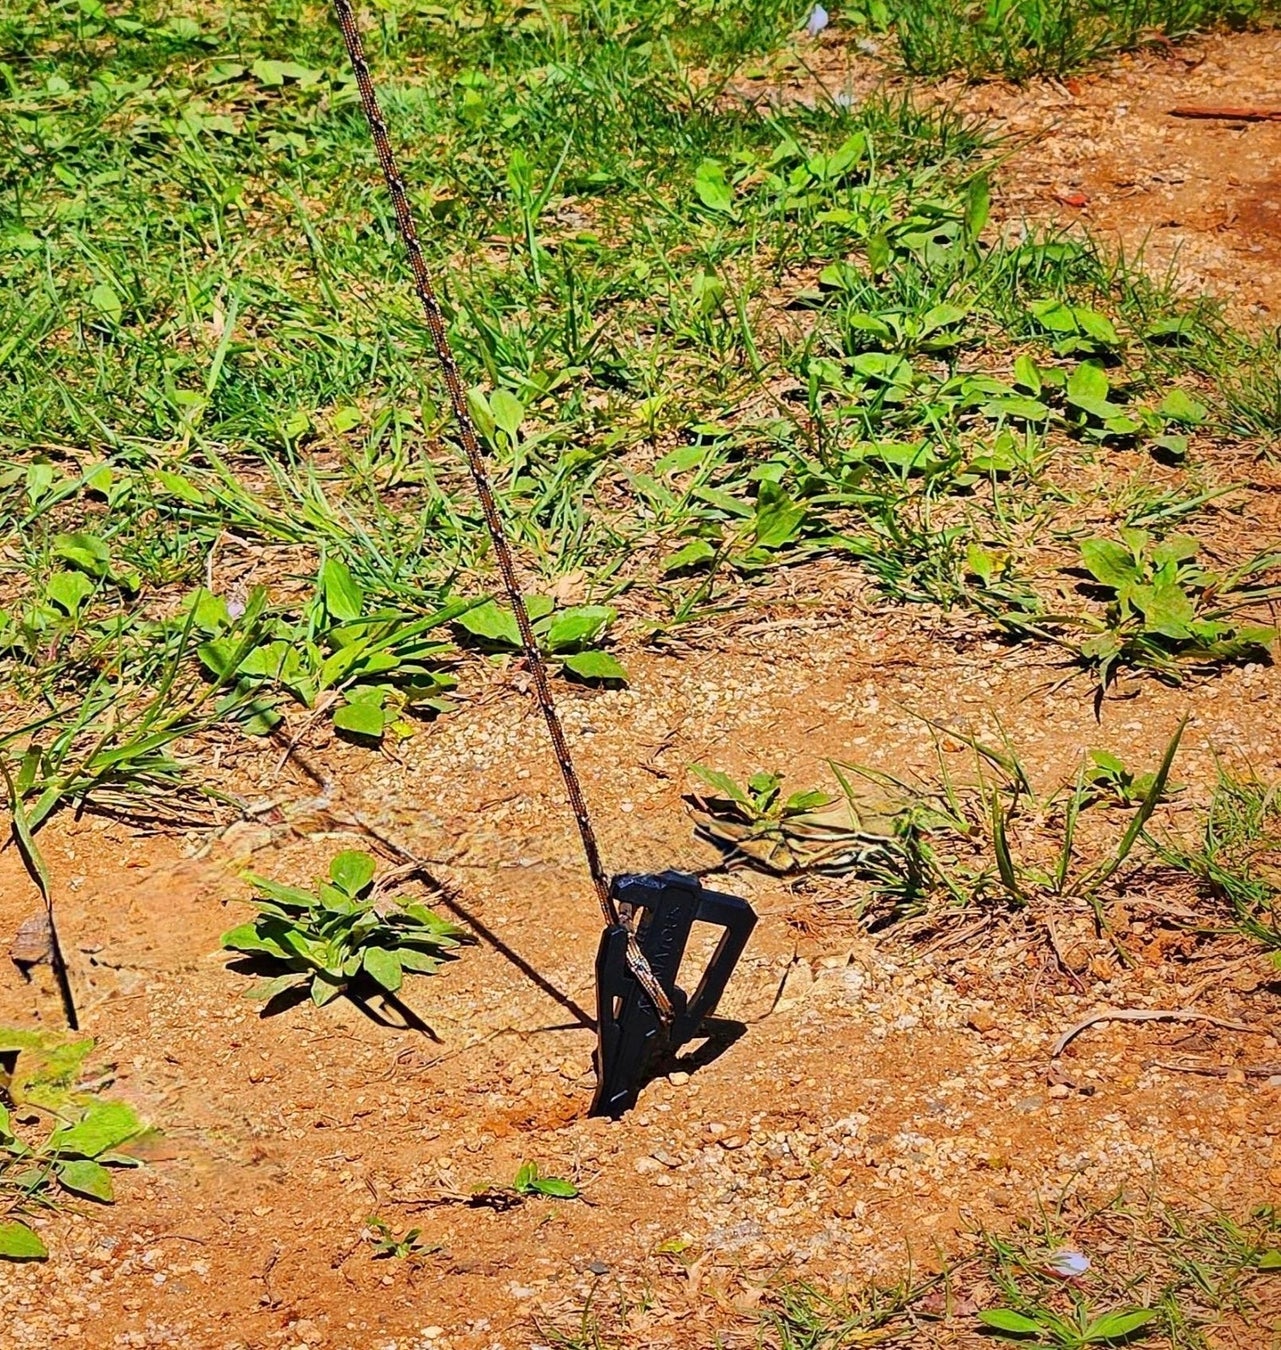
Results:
x,y
882,1098
1199,197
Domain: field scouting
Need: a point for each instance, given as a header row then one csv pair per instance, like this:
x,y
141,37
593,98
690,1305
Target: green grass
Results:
x,y
1237,859
706,343
1019,39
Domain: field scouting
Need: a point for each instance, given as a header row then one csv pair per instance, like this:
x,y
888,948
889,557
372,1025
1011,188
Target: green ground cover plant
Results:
x,y
1019,39
59,1141
704,344
343,937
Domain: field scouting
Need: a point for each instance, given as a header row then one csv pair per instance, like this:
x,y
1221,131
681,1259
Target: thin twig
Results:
x,y
1146,1015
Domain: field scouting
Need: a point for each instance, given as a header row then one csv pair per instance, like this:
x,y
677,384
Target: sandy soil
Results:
x,y
881,1098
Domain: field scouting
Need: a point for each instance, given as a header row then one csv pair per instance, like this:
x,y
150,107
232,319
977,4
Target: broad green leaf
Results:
x,y
693,554
274,73
352,870
103,1126
978,205
1270,1260
69,591
1087,386
595,666
722,782
423,962
880,254
712,187
481,413
246,937
1109,562
1108,761
1116,1326
1172,330
1014,405
105,300
384,966
1167,608
361,718
1027,375
941,316
291,896
20,1243
800,802
325,989
1175,447
778,518
1179,406
86,551
681,460
491,622
573,627
884,367
1007,1320
555,1187
508,411
208,611
981,563
265,990
86,1177
1054,315
1097,326
346,419
343,595
723,501
525,1177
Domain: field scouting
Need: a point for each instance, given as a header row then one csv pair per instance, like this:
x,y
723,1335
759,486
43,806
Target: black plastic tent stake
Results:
x,y
631,1036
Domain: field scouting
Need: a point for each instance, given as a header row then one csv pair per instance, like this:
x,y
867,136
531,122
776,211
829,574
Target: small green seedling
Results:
x,y
341,935
761,800
1113,781
380,1234
531,1181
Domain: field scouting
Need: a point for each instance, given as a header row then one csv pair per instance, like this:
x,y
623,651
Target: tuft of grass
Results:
x,y
1020,39
1238,856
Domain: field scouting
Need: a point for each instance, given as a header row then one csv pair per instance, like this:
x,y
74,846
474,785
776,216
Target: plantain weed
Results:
x,y
386,1245
57,1140
343,937
531,1180
1168,611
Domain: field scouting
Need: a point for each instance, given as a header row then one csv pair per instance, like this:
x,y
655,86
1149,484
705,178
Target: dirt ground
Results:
x,y
884,1099
1200,199
880,1101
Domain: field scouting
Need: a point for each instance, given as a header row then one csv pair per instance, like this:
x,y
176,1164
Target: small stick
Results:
x,y
1144,1015
1212,113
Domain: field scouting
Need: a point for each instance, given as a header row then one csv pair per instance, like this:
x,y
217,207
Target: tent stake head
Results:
x,y
631,1036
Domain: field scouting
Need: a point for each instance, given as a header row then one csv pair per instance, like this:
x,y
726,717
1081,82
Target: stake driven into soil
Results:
x,y
484,490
